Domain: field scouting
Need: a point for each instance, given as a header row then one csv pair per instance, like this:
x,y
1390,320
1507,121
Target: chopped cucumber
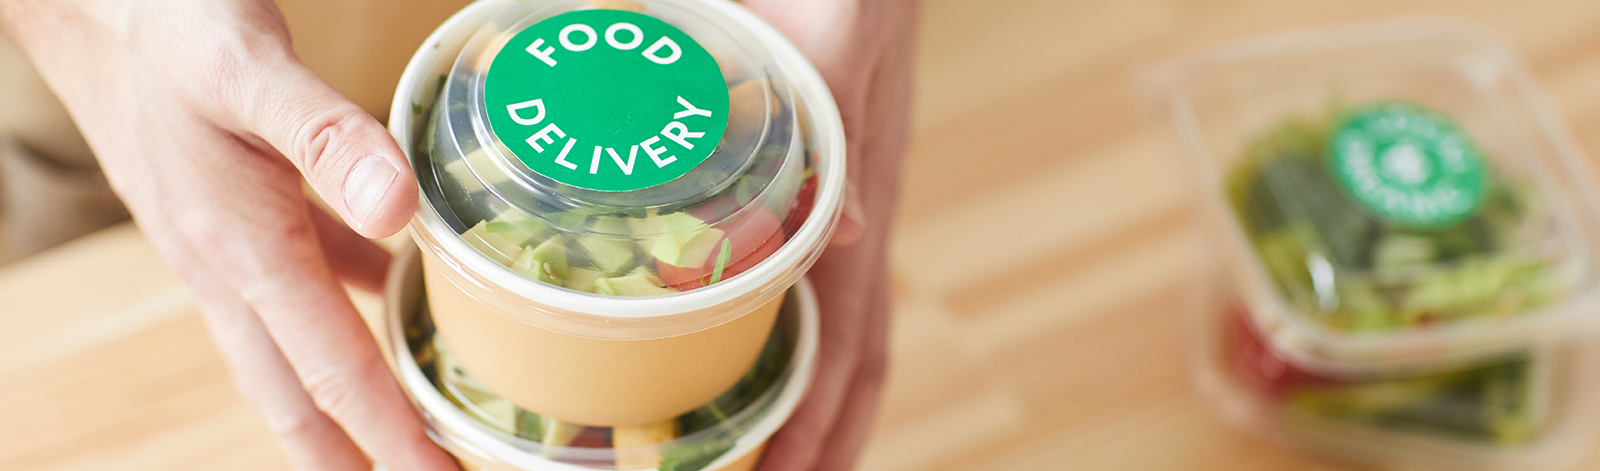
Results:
x,y
518,227
608,254
554,255
493,245
648,226
641,282
691,253
547,262
481,161
582,279
685,241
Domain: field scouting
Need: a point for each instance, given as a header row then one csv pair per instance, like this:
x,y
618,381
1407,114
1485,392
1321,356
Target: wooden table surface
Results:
x,y
1053,341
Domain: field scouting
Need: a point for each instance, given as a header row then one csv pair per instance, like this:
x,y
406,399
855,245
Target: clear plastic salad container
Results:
x,y
486,432
1521,410
1391,197
615,197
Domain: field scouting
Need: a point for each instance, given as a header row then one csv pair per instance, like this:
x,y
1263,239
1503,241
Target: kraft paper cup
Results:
x,y
609,360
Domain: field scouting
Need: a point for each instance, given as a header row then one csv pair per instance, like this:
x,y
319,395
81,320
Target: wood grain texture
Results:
x,y
1040,263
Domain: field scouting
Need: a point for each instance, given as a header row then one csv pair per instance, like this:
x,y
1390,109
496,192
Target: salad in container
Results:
x,y
1391,196
486,432
1410,236
616,197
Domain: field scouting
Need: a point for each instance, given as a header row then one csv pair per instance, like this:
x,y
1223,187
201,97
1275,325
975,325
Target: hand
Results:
x,y
205,122
863,50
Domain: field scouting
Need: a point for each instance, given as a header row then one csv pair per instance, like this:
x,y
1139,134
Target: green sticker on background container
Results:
x,y
1409,165
606,100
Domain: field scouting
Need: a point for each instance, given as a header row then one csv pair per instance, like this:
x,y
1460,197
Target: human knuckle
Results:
x,y
323,134
261,273
339,391
299,421
205,232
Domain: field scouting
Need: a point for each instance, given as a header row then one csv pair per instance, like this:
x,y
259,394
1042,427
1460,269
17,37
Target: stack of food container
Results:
x,y
619,200
1411,245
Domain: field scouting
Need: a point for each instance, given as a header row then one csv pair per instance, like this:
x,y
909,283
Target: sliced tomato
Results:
x,y
804,201
753,237
1257,365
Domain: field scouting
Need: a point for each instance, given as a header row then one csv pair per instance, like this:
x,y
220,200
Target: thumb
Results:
x,y
346,155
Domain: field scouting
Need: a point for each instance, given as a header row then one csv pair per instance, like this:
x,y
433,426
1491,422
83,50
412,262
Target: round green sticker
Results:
x,y
606,100
1408,165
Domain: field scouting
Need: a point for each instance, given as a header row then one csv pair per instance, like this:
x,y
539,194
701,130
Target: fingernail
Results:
x,y
366,186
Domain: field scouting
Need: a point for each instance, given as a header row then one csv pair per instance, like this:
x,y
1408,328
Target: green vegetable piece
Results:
x,y
553,252
518,227
608,250
481,161
1496,286
1397,251
1304,191
493,245
1486,403
546,262
529,425
722,261
644,227
606,253
557,433
1362,307
693,458
684,241
640,282
582,279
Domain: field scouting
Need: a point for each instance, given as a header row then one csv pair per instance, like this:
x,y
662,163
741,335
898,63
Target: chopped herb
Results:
x,y
722,260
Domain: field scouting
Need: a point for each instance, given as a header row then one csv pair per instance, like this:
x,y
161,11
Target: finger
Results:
x,y
346,155
310,439
856,416
843,301
354,259
254,230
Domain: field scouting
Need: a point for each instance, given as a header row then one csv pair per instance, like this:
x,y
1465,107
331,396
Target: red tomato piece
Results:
x,y
804,201
753,237
1257,365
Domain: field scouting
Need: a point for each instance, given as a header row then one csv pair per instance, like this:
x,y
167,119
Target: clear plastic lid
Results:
x,y
622,148
1395,195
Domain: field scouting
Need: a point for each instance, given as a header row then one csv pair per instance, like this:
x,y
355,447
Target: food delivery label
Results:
x,y
1408,165
606,100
